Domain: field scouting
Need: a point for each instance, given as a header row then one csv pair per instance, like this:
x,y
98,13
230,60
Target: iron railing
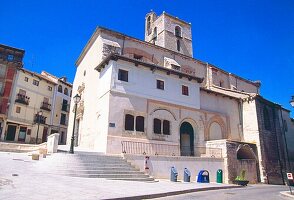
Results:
x,y
45,106
144,148
20,98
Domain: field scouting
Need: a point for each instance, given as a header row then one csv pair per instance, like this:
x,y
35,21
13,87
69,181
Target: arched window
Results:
x,y
266,119
215,131
148,24
178,45
155,33
60,88
65,91
178,31
129,122
157,126
140,123
166,127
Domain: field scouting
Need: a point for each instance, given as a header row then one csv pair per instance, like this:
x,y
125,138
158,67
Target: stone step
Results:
x,y
96,172
108,176
96,168
80,165
149,179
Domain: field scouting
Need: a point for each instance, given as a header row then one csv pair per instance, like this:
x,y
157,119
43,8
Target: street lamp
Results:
x,y
292,101
76,99
39,115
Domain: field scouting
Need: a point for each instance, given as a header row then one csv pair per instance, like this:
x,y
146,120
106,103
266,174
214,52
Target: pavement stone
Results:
x,y
32,181
288,194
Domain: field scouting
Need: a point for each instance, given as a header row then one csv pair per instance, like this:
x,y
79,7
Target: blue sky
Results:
x,y
253,39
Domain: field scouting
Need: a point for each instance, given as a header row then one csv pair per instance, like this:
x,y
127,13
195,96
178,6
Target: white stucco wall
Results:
x,y
160,166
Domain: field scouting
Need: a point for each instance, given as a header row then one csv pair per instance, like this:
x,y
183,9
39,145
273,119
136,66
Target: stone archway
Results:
x,y
186,139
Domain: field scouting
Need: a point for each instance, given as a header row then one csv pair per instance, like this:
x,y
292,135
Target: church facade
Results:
x,y
153,98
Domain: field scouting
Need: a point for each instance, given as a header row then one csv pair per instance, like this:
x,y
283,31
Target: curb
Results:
x,y
287,194
165,194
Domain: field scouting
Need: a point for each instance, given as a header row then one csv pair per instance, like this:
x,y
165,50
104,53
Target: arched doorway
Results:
x,y
187,139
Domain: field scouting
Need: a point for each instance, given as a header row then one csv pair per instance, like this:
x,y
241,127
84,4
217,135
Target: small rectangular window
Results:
x,y
26,79
129,122
62,119
49,88
160,84
185,90
140,123
166,127
138,57
123,75
35,82
157,126
18,109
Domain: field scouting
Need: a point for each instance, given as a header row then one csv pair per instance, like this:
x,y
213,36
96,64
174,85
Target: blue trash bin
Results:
x,y
187,175
173,174
203,176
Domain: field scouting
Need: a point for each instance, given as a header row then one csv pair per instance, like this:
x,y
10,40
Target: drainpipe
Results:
x,y
240,105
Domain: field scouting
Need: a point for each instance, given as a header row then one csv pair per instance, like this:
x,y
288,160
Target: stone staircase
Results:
x,y
92,165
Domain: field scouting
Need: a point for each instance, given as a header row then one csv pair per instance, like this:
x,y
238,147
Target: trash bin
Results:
x,y
173,174
219,176
203,176
187,175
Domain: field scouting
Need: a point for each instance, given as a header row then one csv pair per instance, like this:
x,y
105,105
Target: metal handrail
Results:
x,y
144,148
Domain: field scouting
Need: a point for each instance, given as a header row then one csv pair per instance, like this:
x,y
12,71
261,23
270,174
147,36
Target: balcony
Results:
x,y
40,119
20,98
46,106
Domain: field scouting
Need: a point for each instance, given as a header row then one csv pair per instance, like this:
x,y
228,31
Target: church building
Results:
x,y
154,98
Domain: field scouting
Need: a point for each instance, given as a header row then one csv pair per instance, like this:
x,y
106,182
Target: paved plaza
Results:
x,y
23,178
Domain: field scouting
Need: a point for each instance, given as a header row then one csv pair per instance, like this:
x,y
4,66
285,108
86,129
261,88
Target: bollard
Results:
x,y
187,175
173,174
219,176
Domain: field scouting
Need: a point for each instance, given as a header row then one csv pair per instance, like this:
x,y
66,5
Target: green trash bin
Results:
x,y
219,176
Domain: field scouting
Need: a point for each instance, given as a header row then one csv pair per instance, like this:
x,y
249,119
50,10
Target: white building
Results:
x,y
152,97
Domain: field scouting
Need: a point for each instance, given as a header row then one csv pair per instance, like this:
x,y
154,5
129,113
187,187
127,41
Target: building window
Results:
x,y
157,126
84,72
49,88
123,75
35,82
178,45
178,31
65,91
155,33
60,88
138,57
221,83
185,90
140,123
166,127
18,109
26,79
160,84
148,25
64,105
266,119
62,119
129,122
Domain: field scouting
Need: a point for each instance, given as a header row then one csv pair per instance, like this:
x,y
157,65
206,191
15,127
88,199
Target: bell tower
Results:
x,y
169,32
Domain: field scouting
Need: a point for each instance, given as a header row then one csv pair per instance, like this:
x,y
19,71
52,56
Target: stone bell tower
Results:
x,y
169,32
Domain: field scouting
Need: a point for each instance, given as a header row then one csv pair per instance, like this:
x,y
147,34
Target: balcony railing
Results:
x,y
46,106
142,148
40,119
20,98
